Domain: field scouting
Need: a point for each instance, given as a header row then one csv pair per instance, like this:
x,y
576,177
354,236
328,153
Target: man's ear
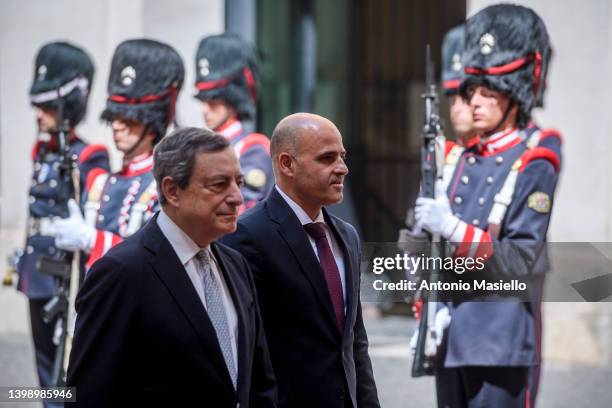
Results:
x,y
170,190
286,164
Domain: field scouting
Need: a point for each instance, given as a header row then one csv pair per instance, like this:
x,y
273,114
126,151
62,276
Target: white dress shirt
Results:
x,y
335,247
187,251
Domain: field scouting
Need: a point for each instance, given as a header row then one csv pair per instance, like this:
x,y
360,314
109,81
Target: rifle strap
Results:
x,y
450,163
94,195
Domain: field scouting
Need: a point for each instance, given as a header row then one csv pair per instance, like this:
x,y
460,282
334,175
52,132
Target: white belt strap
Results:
x,y
502,200
139,209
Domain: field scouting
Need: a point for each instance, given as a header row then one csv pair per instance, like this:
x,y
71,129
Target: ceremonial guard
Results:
x,y
226,73
63,74
145,79
495,202
452,73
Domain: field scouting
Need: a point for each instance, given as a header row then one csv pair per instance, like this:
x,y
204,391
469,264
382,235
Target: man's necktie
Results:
x,y
216,312
330,269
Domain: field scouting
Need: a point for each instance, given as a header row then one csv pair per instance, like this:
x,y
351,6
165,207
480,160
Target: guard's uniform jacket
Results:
x,y
253,151
503,190
45,202
118,204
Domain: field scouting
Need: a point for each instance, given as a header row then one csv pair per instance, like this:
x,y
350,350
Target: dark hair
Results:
x,y
175,155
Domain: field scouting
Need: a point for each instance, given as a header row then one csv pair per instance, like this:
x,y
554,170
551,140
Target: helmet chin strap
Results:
x,y
139,142
501,121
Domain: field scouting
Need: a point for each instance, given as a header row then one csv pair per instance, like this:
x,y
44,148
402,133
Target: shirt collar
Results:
x,y
230,129
184,246
138,165
499,141
299,211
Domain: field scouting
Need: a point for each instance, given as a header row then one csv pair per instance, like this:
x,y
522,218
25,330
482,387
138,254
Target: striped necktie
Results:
x,y
216,312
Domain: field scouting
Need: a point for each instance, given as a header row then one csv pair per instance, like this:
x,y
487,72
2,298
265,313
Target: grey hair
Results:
x,y
175,155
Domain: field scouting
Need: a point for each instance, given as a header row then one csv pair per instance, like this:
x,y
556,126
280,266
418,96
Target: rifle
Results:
x,y
65,266
414,240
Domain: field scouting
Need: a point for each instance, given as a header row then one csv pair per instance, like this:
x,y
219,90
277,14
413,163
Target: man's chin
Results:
x,y
334,198
481,126
223,228
228,222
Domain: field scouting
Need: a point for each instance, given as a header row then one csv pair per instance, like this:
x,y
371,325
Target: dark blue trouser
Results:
x,y
42,334
480,387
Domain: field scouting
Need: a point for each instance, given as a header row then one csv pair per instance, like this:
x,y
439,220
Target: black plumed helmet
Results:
x,y
452,66
507,48
63,74
226,69
145,79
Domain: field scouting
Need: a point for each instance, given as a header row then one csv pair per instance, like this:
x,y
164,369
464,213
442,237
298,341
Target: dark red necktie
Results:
x,y
332,275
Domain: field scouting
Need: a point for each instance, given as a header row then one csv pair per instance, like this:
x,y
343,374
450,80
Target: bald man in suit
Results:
x,y
305,263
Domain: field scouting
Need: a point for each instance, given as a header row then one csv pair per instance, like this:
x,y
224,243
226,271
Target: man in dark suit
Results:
x,y
170,315
306,267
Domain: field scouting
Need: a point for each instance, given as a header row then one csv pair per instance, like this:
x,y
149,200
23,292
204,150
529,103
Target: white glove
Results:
x,y
72,233
441,322
435,215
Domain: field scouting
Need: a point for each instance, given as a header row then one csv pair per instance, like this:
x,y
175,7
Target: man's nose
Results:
x,y
342,168
475,100
235,195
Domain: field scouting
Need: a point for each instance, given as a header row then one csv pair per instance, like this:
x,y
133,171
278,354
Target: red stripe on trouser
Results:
x,y
527,396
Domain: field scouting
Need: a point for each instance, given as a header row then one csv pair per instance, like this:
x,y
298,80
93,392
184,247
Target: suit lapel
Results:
x,y
295,236
169,269
242,301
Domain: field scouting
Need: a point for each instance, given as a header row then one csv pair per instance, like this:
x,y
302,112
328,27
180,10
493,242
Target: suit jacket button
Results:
x,y
340,395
